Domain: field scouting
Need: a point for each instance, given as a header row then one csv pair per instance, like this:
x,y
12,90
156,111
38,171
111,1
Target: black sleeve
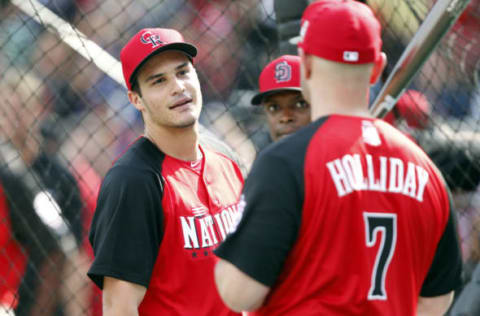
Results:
x,y
445,272
126,230
272,200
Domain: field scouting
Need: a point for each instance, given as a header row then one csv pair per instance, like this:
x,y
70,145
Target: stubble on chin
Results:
x,y
177,120
186,124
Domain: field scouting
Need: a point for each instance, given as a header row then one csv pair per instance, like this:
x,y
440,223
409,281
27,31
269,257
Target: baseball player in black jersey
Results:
x,y
168,201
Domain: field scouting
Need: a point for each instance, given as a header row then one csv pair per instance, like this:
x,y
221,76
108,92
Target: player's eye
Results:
x,y
159,80
302,104
272,108
183,72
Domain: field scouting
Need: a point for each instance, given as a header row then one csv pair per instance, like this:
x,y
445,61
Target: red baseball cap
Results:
x,y
344,31
280,74
145,44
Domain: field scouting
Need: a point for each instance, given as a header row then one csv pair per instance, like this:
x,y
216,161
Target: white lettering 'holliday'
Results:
x,y
393,175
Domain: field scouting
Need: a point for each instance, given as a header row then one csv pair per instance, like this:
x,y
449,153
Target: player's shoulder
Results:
x,y
141,155
141,161
285,158
209,141
405,147
214,154
294,145
401,142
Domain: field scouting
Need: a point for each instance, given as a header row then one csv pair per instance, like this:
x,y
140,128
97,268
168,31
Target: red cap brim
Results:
x,y
257,99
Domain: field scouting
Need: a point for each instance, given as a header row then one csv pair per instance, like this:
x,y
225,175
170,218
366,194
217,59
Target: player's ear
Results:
x,y
136,100
378,68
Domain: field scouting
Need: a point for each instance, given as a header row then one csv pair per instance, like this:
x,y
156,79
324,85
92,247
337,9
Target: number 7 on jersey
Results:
x,y
386,223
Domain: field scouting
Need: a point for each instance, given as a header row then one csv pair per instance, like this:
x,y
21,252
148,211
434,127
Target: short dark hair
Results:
x,y
136,86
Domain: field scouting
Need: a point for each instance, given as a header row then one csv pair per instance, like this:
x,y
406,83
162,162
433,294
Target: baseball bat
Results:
x,y
72,37
439,20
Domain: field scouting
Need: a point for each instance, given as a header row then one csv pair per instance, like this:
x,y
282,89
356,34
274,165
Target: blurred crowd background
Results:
x,y
63,121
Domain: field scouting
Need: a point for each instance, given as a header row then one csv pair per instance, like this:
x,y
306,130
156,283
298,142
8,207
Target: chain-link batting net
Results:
x,y
64,119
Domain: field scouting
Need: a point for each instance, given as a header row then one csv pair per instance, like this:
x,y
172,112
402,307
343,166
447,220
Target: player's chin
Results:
x,y
187,122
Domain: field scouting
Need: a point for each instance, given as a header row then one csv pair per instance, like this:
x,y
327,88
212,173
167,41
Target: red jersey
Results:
x,y
156,223
346,217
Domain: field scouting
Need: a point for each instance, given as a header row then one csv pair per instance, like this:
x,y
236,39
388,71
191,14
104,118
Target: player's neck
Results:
x,y
180,143
327,99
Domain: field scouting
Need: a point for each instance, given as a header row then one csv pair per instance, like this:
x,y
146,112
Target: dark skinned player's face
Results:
x,y
286,112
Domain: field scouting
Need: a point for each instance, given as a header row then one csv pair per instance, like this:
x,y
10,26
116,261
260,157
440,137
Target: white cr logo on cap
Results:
x,y
149,38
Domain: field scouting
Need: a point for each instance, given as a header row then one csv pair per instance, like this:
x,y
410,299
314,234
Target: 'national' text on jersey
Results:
x,y
207,230
383,174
